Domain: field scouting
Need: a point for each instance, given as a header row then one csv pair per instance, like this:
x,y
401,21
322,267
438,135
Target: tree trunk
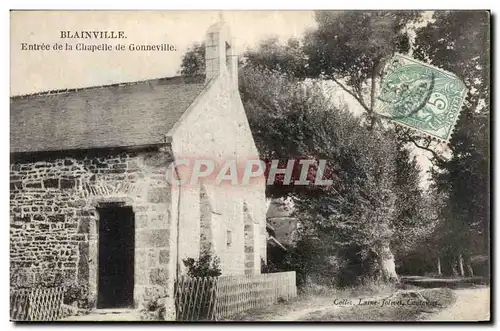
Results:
x,y
439,265
461,264
386,263
470,270
454,269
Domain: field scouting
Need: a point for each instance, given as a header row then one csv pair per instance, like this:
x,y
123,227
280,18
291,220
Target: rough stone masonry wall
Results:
x,y
54,222
249,242
206,225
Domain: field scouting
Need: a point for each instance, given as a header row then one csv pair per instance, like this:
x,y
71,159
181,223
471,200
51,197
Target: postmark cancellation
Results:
x,y
420,96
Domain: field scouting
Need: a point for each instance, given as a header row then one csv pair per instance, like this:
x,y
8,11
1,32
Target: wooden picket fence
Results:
x,y
37,304
216,298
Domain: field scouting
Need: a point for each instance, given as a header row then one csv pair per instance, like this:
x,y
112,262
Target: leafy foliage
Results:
x,y
416,216
293,119
376,196
78,293
206,266
351,46
458,41
269,267
272,55
193,61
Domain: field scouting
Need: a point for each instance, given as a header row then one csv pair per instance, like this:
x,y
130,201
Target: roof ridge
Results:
x,y
132,115
130,83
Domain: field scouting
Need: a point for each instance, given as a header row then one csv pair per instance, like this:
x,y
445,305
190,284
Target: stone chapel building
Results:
x,y
89,200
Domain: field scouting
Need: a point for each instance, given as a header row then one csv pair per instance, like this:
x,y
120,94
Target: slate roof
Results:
x,y
119,115
274,242
280,223
278,208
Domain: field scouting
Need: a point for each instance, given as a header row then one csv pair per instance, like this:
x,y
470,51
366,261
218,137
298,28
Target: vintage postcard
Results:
x,y
250,166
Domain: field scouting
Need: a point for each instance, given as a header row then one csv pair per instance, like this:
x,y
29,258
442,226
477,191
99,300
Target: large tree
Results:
x,y
193,61
415,216
294,119
370,206
351,48
459,41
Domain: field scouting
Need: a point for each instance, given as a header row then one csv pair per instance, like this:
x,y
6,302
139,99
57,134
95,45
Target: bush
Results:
x,y
312,261
78,293
206,266
270,267
154,309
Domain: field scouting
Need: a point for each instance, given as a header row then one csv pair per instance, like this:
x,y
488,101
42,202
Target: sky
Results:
x,y
36,71
39,71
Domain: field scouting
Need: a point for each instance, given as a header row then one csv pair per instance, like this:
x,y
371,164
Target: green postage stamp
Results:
x,y
420,96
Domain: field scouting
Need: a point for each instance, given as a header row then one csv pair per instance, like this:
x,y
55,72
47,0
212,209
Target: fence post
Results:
x,y
216,298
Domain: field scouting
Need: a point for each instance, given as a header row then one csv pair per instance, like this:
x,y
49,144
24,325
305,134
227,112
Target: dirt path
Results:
x,y
290,311
472,304
301,309
299,313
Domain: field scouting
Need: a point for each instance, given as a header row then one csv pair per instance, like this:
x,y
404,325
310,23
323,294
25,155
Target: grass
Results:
x,y
445,281
400,306
316,303
311,298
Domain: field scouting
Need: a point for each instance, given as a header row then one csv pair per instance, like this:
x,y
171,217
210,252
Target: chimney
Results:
x,y
220,52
